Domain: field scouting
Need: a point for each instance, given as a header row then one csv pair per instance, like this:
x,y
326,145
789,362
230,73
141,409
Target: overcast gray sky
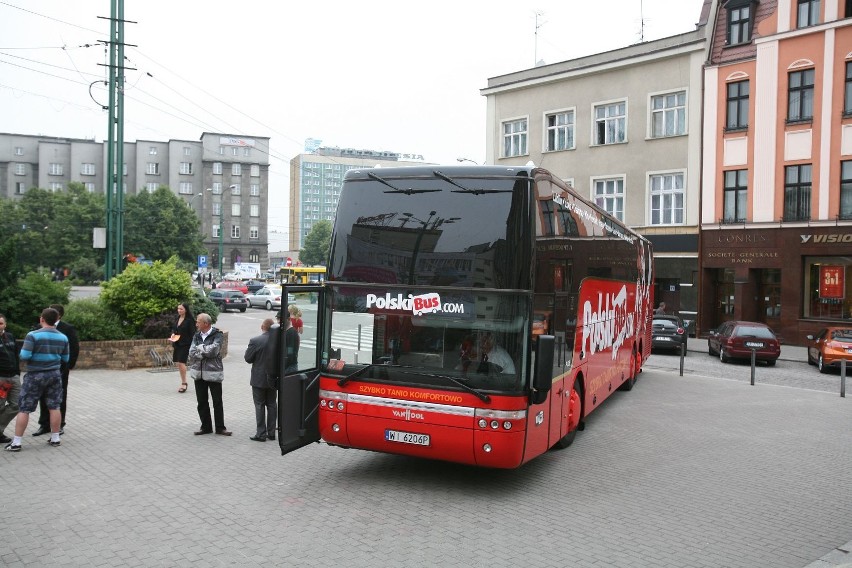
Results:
x,y
376,74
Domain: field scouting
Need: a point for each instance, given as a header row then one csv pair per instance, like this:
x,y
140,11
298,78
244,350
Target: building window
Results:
x,y
55,186
55,169
235,209
152,150
87,169
849,8
236,189
217,209
235,229
186,168
846,189
217,188
254,210
735,199
217,168
19,151
560,131
611,123
515,138
20,188
255,170
254,233
808,13
668,115
737,105
847,98
246,151
609,196
800,96
739,22
797,193
20,169
235,151
221,150
827,289
236,169
667,195
186,188
90,186
152,168
187,151
151,186
215,232
254,189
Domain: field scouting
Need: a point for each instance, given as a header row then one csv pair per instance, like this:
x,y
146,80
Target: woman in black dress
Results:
x,y
182,332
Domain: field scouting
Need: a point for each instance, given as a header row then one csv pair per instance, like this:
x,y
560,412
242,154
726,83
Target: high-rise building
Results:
x,y
316,179
223,177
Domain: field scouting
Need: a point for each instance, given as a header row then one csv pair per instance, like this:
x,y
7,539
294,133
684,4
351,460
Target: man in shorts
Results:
x,y
44,351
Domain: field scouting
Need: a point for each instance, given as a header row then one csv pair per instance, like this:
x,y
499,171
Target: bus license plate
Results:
x,y
754,344
407,437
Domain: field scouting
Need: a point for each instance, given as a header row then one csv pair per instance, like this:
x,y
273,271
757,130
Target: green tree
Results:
x,y
161,225
142,291
23,301
317,244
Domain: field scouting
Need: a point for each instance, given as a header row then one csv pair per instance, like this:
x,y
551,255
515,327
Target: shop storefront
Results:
x,y
796,280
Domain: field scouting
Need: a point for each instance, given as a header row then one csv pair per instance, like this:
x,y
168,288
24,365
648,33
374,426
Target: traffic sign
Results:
x,y
202,261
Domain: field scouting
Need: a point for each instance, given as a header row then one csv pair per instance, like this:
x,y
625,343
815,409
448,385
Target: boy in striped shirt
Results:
x,y
44,351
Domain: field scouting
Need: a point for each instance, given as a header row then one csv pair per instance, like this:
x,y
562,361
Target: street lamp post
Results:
x,y
221,234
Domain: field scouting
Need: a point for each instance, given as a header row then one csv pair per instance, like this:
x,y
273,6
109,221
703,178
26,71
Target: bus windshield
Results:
x,y
423,336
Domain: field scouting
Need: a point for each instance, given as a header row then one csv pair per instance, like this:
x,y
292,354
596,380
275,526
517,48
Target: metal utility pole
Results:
x,y
115,143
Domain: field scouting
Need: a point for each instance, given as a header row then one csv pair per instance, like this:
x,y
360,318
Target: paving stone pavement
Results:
x,y
681,472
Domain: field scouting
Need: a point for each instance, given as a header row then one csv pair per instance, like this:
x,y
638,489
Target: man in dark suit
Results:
x,y
262,389
74,344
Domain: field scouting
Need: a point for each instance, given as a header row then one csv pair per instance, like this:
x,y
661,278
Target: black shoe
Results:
x,y
202,432
257,438
271,437
12,448
42,430
54,444
4,439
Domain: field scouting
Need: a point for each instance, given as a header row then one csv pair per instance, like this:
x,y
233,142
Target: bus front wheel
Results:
x,y
575,405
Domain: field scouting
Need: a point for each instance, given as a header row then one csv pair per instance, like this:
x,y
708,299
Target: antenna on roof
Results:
x,y
538,14
641,22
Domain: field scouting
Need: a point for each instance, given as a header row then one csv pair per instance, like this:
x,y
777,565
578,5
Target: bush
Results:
x,y
95,322
159,326
23,300
202,304
85,271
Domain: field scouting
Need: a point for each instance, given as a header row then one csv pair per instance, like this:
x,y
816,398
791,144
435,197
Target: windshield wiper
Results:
x,y
464,189
361,371
395,189
481,396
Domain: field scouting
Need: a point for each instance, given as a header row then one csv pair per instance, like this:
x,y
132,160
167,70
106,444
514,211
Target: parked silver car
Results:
x,y
268,297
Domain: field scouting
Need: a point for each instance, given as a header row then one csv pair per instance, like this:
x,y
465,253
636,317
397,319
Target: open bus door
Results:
x,y
298,392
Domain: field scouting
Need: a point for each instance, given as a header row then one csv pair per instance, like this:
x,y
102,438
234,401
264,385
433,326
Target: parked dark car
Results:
x,y
737,339
669,333
253,286
830,346
228,300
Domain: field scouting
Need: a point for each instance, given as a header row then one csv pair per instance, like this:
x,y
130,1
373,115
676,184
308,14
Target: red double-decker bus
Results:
x,y
469,314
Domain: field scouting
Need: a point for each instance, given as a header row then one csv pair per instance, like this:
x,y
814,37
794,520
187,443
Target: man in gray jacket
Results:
x,y
205,358
263,391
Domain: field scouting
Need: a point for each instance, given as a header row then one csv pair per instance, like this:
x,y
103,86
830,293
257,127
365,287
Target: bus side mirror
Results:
x,y
543,372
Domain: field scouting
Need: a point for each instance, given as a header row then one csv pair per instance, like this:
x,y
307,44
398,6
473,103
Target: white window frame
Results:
x,y
246,151
235,151
667,114
603,198
55,186
254,210
254,232
236,189
151,186
90,186
235,231
19,150
20,169
570,128
217,168
20,188
217,209
255,170
612,117
185,188
152,150
664,186
55,169
254,189
187,151
235,209
236,169
152,168
217,188
87,169
515,142
185,168
215,231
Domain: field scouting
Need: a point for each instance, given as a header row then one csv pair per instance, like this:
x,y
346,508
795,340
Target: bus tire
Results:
x,y
568,438
634,372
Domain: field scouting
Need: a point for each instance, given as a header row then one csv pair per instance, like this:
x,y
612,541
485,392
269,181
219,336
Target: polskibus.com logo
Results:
x,y
418,305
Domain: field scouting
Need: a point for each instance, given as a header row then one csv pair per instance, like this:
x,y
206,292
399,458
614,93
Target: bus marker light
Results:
x,y
323,403
335,427
483,423
495,424
486,448
507,425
